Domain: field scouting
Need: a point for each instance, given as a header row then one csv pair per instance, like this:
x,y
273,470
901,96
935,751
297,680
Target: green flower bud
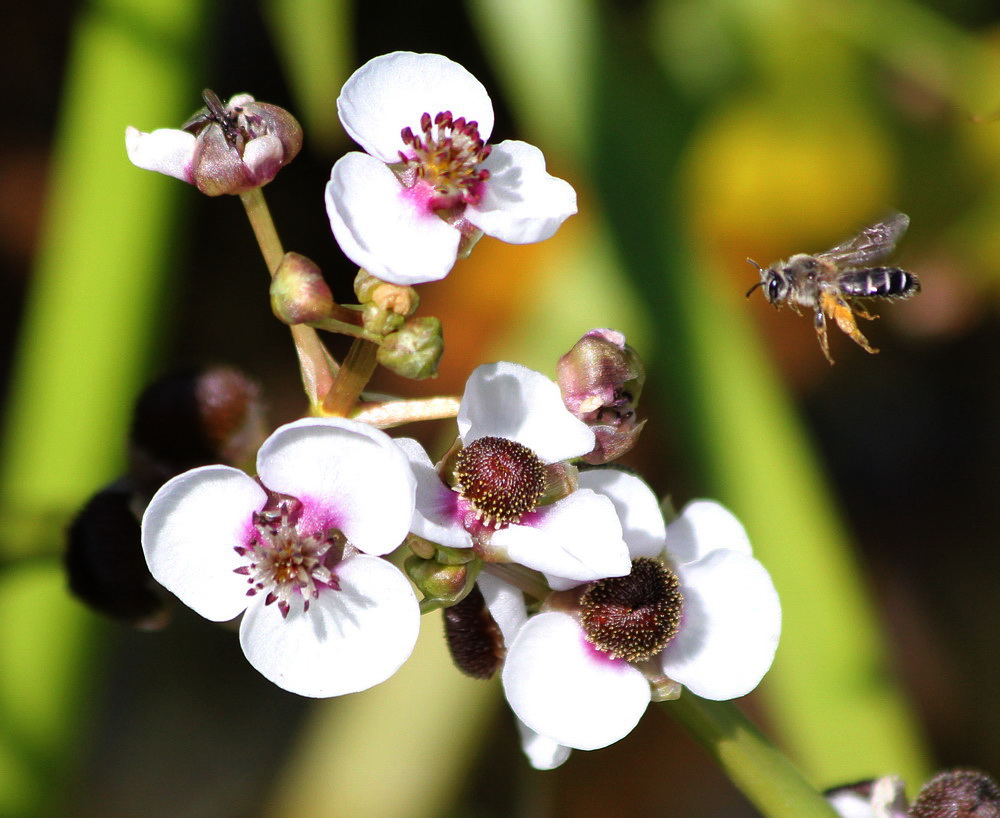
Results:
x,y
299,294
414,350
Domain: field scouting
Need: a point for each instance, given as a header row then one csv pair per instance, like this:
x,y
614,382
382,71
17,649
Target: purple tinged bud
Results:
x,y
299,294
414,350
601,379
224,148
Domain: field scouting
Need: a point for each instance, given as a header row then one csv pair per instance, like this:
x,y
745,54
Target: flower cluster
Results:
x,y
555,569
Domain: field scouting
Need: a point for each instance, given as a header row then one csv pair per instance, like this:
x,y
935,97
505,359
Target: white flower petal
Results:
x,y
165,150
521,202
436,516
189,532
543,753
638,509
702,527
348,640
511,401
347,474
730,626
505,604
263,154
393,91
563,688
386,228
577,538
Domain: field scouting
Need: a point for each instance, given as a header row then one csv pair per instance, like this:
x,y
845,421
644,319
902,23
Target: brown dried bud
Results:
x,y
414,350
299,294
958,794
105,565
194,418
601,379
474,637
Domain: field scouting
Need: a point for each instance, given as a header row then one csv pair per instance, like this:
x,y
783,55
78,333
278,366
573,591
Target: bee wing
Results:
x,y
871,244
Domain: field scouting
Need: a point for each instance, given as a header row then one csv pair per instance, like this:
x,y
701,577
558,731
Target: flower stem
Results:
x,y
764,775
352,378
263,227
317,367
386,414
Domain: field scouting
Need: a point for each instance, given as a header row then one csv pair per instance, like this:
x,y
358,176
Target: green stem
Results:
x,y
317,367
352,378
764,775
263,228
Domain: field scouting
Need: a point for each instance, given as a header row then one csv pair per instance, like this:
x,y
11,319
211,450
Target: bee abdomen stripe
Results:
x,y
879,282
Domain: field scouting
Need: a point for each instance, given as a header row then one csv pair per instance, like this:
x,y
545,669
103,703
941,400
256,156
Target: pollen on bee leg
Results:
x,y
842,313
821,335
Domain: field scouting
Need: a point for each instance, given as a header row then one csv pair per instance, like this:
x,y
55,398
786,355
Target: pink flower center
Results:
x,y
284,562
446,156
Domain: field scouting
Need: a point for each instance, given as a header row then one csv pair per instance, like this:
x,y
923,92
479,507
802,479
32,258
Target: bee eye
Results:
x,y
773,289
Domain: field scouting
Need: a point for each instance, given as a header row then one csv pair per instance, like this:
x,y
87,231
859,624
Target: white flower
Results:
x,y
513,425
298,551
429,183
717,638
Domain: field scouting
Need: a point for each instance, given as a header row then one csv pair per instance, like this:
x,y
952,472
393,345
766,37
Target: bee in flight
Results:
x,y
829,282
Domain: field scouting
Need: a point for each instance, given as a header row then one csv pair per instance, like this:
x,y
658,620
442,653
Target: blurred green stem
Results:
x,y
764,775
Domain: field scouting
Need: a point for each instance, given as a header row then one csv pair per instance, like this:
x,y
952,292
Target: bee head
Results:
x,y
774,282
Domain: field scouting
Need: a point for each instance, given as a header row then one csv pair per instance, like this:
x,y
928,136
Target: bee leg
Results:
x,y
840,311
824,341
861,312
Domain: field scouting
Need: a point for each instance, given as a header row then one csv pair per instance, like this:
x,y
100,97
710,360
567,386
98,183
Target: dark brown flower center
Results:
x,y
502,478
447,152
634,617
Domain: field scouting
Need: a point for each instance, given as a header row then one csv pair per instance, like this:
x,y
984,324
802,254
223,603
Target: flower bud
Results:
x,y
224,148
194,418
414,350
299,294
601,379
105,565
395,298
958,794
445,584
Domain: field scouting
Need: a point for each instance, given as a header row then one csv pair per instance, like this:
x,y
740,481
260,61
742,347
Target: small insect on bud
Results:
x,y
105,565
299,294
414,350
958,794
228,147
474,637
194,418
601,379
